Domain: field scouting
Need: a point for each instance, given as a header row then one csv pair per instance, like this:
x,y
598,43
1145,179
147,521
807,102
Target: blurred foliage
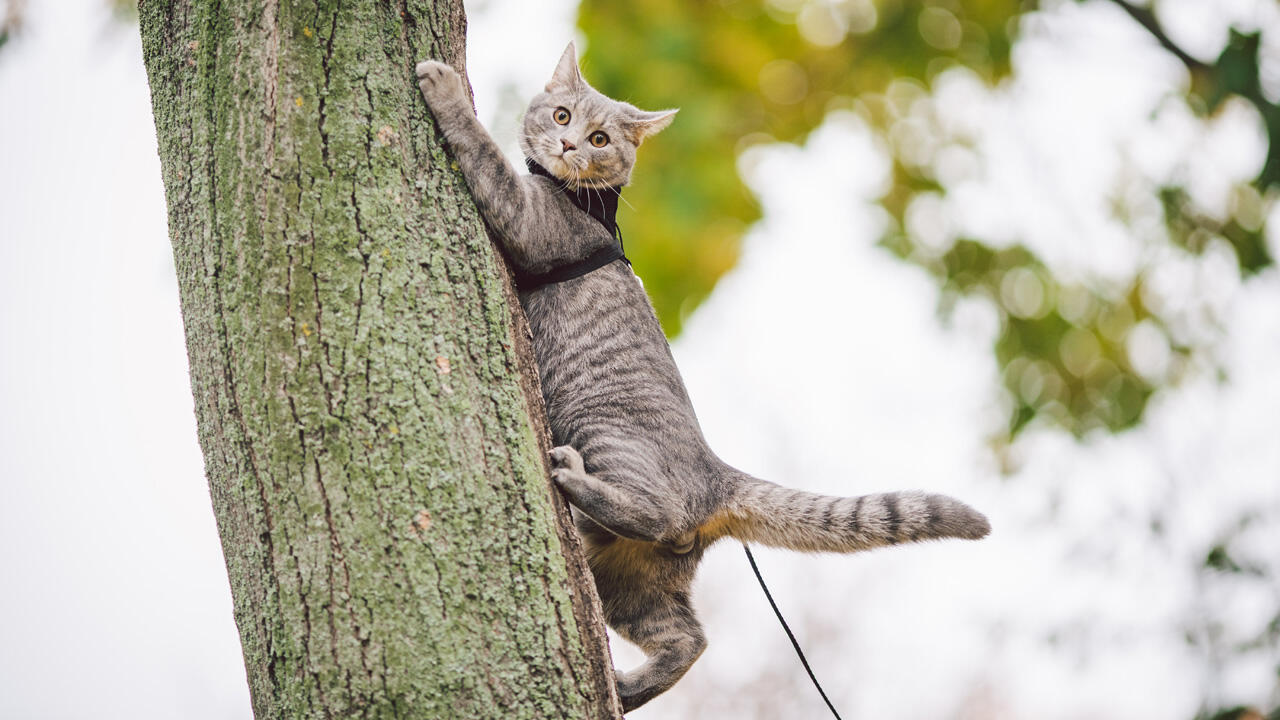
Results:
x,y
11,14
745,72
1062,347
124,9
755,71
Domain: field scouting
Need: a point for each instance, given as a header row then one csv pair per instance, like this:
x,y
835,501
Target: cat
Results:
x,y
649,496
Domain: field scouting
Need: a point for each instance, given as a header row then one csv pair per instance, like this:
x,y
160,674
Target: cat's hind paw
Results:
x,y
565,457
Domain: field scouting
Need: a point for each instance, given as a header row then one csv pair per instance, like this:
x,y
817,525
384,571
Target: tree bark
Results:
x,y
372,428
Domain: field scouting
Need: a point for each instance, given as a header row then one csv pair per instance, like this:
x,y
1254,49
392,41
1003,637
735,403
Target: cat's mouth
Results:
x,y
573,177
564,170
561,167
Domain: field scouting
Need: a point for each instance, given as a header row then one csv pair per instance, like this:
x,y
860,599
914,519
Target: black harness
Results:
x,y
601,204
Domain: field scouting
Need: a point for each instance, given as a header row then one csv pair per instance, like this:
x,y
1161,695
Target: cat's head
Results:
x,y
581,136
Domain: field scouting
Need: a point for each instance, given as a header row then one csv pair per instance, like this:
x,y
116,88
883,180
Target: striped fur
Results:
x,y
770,514
649,496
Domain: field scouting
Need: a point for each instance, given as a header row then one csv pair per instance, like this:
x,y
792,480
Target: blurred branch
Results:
x,y
1147,19
1235,72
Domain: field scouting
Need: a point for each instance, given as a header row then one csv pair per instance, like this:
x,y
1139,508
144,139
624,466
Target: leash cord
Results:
x,y
791,636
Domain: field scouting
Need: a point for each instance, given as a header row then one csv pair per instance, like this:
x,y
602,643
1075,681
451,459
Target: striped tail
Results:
x,y
769,514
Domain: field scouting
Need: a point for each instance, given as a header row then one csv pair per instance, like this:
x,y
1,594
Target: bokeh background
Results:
x,y
1019,252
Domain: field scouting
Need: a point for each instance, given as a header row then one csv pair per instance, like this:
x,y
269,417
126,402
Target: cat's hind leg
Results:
x,y
627,514
668,632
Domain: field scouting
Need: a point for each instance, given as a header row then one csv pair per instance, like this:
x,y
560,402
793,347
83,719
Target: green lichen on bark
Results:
x,y
377,480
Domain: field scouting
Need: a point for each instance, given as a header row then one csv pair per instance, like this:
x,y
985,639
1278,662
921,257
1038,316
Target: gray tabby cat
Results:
x,y
649,495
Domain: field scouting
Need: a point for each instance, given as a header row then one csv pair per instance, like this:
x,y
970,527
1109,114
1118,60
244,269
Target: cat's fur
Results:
x,y
649,495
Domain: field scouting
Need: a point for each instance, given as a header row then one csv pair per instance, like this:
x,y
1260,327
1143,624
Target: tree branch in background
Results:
x,y
1235,72
1147,19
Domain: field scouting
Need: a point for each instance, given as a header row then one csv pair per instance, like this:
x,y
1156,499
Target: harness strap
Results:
x,y
594,261
602,205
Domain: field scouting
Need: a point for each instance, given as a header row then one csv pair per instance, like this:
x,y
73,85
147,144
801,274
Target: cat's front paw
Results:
x,y
441,85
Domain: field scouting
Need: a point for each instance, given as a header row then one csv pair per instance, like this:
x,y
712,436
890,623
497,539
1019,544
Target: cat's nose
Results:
x,y
567,146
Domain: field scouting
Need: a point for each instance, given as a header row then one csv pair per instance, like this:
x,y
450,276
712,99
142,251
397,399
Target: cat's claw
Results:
x,y
565,457
560,476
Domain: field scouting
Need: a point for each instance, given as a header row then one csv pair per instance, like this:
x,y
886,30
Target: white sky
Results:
x,y
832,375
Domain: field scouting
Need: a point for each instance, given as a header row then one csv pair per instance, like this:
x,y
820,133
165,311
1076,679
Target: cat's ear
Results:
x,y
567,74
641,124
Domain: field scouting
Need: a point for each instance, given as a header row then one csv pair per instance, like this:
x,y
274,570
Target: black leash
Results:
x,y
791,636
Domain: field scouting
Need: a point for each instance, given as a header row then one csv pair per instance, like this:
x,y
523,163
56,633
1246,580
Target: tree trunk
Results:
x,y
372,429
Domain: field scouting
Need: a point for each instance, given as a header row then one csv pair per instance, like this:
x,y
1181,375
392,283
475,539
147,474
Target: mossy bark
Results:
x,y
371,426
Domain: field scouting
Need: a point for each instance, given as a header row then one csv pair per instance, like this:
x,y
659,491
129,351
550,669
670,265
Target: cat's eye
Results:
x,y
599,139
561,116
